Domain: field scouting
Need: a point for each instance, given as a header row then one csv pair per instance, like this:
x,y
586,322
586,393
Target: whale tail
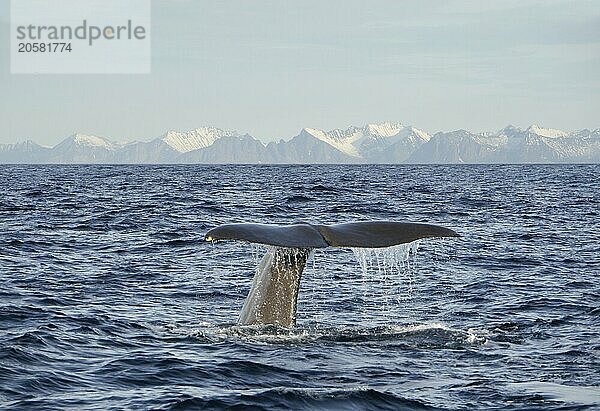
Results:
x,y
274,293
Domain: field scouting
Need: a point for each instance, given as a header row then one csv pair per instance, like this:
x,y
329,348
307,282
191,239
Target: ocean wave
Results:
x,y
421,336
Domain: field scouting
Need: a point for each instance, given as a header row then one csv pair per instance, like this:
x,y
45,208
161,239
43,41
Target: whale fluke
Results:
x,y
274,292
361,234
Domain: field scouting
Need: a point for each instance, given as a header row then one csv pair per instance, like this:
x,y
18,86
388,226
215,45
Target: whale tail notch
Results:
x,y
274,293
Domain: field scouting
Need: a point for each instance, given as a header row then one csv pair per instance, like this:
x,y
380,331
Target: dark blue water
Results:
x,y
110,298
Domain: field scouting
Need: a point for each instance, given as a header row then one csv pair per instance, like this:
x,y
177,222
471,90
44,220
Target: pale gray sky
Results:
x,y
272,67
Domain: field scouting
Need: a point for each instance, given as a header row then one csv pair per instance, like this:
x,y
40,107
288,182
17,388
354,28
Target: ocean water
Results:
x,y
110,298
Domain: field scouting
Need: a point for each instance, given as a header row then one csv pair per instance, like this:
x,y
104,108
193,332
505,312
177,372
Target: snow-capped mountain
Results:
x,y
306,148
378,147
511,145
83,148
184,142
373,143
171,147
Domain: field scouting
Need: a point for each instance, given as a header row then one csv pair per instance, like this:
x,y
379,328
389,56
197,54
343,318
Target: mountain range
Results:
x,y
384,143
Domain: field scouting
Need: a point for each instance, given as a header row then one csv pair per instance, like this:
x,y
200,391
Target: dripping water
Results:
x,y
388,276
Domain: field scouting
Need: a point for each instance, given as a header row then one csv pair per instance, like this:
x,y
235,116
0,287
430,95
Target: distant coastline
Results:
x,y
382,143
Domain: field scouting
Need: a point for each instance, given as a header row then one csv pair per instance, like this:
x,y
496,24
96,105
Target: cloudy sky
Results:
x,y
272,67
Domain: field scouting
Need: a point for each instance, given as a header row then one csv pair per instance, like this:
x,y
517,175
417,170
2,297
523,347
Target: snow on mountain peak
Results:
x,y
385,129
546,132
202,137
92,141
339,139
418,132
